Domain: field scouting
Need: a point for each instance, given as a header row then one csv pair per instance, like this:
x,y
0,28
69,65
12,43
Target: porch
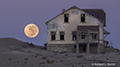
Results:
x,y
88,48
88,39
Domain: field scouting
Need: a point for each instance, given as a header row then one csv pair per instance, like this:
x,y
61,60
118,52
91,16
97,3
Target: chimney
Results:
x,y
63,10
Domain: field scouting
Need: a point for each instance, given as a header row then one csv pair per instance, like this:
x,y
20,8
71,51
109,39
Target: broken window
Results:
x,y
82,17
94,35
62,35
74,35
82,36
53,34
66,18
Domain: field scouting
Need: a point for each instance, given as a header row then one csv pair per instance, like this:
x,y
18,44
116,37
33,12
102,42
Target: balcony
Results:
x,y
88,41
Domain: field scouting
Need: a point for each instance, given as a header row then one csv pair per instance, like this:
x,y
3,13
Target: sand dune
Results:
x,y
15,53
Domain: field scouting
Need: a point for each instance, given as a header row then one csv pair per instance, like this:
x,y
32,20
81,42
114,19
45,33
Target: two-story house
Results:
x,y
77,30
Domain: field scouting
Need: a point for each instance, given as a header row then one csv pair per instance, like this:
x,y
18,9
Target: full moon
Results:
x,y
31,30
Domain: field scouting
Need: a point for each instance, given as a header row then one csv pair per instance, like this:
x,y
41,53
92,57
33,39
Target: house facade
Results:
x,y
77,30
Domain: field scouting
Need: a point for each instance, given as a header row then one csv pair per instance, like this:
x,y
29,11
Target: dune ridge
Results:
x,y
15,53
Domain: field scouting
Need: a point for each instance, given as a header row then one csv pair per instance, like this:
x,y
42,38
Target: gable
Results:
x,y
97,13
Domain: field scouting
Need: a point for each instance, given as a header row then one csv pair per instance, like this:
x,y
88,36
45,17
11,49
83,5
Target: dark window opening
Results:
x,y
62,35
82,17
74,35
94,35
52,37
82,36
53,34
66,18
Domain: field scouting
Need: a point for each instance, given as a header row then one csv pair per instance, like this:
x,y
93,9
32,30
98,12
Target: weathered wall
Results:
x,y
57,24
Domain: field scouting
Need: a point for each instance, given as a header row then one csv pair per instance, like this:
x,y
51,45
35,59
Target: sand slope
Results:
x,y
15,53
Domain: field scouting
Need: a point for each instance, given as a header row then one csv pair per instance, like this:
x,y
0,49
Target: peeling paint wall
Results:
x,y
57,24
89,17
75,12
54,26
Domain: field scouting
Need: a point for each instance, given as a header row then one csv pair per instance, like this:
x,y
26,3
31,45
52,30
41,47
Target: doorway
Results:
x,y
82,48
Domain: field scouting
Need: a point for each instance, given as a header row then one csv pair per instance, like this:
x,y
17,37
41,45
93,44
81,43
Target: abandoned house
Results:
x,y
77,30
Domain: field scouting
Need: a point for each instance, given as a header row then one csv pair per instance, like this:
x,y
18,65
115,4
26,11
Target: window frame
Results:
x,y
53,35
74,35
82,19
94,35
82,36
66,19
62,33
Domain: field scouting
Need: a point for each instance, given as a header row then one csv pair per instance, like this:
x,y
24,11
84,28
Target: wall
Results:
x,y
61,47
57,24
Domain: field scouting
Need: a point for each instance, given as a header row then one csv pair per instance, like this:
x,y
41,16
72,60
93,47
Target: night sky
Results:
x,y
16,14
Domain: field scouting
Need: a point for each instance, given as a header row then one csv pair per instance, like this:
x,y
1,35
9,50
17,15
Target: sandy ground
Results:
x,y
14,53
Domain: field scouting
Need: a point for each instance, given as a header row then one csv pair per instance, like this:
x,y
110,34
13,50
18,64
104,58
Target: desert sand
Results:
x,y
15,53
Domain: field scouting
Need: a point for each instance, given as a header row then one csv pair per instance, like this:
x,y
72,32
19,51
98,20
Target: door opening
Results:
x,y
82,48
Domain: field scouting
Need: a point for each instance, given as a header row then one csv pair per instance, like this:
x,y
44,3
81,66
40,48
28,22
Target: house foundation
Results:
x,y
62,47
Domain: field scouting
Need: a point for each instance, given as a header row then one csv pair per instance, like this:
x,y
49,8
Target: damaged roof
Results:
x,y
98,13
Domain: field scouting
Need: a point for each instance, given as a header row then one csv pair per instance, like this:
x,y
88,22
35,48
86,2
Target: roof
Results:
x,y
98,13
105,32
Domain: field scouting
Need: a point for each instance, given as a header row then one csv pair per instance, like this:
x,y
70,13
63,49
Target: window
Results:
x,y
62,35
82,36
82,17
52,37
53,34
74,35
66,18
94,35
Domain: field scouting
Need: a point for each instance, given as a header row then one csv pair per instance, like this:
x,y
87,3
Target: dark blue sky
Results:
x,y
16,14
